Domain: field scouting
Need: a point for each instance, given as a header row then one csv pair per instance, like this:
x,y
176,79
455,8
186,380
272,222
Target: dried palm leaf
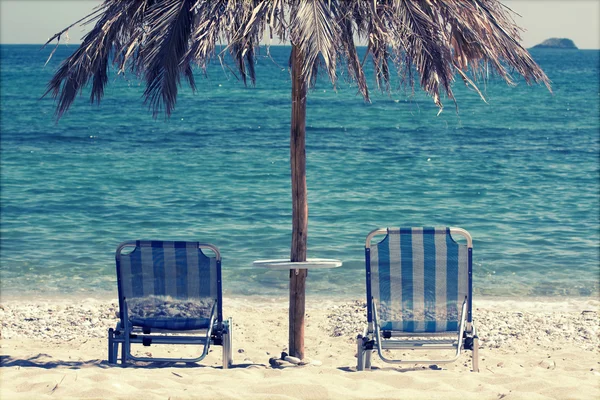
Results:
x,y
429,42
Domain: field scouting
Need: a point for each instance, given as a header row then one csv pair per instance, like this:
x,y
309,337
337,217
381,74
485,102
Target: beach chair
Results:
x,y
169,293
419,297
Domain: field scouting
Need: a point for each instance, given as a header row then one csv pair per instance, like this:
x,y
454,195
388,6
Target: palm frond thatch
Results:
x,y
160,40
168,26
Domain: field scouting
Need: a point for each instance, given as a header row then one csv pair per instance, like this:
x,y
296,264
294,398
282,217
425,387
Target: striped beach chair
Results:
x,y
169,293
419,296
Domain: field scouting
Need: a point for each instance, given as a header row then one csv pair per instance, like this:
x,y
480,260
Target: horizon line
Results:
x,y
270,45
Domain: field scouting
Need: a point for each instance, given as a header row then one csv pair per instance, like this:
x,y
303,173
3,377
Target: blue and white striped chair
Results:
x,y
419,295
169,293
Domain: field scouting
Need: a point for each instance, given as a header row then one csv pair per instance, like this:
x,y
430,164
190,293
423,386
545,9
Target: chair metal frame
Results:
x,y
218,332
465,338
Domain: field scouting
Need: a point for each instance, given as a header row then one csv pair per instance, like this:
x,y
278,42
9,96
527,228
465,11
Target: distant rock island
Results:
x,y
556,43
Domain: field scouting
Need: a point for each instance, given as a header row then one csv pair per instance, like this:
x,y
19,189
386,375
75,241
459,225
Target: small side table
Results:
x,y
310,263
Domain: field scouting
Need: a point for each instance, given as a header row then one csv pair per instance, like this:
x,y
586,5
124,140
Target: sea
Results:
x,y
520,172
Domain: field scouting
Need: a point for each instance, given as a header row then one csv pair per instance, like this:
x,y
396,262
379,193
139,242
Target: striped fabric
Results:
x,y
167,285
419,279
174,324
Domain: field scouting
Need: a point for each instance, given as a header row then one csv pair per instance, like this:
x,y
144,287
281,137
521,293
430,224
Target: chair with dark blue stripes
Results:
x,y
419,296
170,293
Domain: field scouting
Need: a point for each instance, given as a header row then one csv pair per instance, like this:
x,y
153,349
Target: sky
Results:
x,y
34,21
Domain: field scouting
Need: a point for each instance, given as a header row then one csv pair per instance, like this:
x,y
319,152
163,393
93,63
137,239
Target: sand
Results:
x,y
533,349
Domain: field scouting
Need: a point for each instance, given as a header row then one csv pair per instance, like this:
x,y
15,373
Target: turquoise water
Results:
x,y
520,173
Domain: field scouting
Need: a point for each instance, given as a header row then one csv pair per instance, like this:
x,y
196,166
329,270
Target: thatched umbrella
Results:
x,y
431,41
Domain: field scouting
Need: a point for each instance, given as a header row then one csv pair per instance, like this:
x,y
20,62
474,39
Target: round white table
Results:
x,y
310,263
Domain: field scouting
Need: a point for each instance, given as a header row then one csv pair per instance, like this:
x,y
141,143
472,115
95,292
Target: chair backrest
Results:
x,y
419,279
163,279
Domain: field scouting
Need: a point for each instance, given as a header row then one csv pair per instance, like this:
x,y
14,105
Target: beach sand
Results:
x,y
532,349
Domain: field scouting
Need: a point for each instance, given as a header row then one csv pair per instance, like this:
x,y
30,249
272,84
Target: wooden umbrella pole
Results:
x,y
299,206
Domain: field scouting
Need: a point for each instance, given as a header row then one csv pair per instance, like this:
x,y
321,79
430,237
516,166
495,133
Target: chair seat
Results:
x,y
416,327
412,344
175,324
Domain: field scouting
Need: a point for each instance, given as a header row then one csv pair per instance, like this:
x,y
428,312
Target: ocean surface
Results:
x,y
520,173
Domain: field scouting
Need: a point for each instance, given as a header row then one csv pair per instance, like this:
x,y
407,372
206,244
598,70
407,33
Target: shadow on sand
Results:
x,y
48,362
396,369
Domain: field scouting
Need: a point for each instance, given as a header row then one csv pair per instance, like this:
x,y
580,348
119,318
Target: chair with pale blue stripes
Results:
x,y
170,293
419,296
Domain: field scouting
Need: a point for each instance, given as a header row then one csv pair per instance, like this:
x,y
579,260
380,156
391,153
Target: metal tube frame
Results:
x,y
125,334
372,330
458,346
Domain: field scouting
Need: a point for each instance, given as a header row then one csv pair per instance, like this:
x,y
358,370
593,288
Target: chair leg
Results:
x,y
111,345
230,324
475,354
368,354
360,354
228,344
225,350
125,349
116,352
